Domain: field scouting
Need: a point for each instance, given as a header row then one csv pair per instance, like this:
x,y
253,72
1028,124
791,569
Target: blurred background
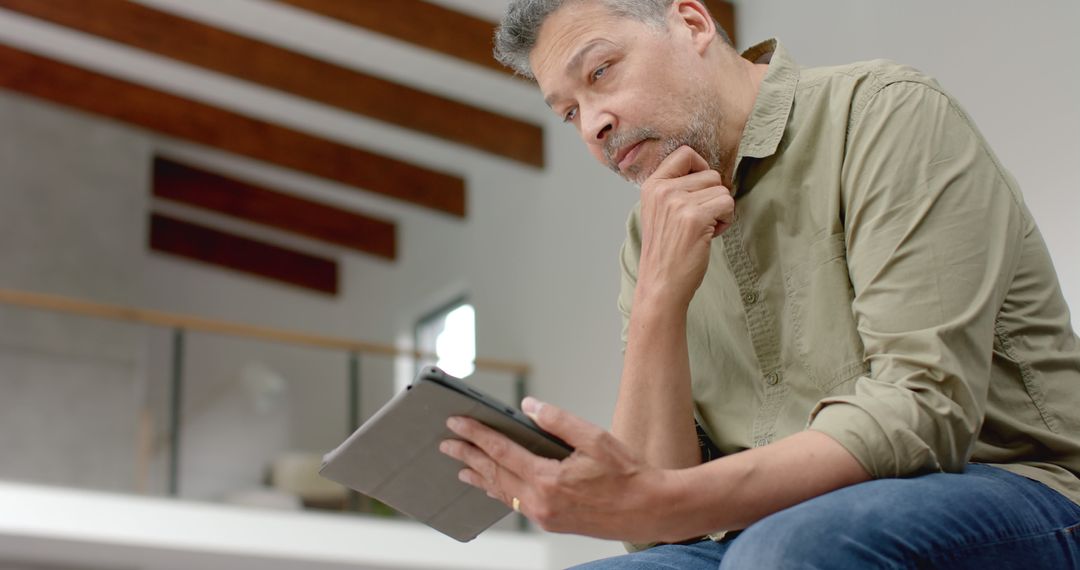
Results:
x,y
227,227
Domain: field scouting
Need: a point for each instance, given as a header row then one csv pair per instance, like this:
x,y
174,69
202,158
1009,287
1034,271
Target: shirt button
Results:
x,y
772,379
750,298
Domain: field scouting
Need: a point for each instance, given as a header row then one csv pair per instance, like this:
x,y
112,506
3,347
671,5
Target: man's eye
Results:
x,y
599,72
570,115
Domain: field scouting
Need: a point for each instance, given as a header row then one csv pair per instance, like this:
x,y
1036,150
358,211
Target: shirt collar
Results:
x,y
765,126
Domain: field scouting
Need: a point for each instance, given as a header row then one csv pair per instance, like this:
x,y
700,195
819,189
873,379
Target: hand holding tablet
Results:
x,y
395,458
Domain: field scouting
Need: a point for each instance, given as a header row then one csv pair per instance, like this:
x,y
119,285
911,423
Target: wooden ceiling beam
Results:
x,y
196,187
420,23
724,13
441,29
208,125
223,249
224,52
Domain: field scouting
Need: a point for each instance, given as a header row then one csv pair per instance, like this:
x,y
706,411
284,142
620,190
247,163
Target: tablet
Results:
x,y
395,458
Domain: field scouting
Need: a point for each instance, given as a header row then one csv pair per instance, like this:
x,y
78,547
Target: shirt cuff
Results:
x,y
632,547
882,451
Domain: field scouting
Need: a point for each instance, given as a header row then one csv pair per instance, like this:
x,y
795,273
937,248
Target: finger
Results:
x,y
497,446
575,431
711,192
719,206
483,472
474,479
695,181
680,163
503,494
715,200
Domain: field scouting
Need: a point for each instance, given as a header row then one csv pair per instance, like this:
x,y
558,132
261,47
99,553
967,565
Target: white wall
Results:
x,y
70,198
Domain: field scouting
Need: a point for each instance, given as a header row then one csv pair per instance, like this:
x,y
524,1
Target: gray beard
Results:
x,y
700,134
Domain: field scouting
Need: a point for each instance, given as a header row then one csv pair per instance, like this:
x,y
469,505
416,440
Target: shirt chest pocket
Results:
x,y
824,334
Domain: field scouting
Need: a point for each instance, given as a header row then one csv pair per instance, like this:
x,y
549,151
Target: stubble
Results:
x,y
701,132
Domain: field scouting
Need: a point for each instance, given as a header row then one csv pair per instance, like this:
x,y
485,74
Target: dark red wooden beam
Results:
x,y
192,241
259,62
196,187
724,13
441,29
204,124
420,23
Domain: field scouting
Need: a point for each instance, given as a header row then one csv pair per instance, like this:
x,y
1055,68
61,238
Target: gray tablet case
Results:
x,y
394,456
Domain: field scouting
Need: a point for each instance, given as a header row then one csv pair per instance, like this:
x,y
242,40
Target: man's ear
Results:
x,y
693,15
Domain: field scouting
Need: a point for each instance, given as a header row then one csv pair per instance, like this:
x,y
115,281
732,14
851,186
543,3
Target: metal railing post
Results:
x,y
354,413
520,389
175,407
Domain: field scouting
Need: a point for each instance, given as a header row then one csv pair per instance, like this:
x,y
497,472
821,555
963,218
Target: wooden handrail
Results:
x,y
60,304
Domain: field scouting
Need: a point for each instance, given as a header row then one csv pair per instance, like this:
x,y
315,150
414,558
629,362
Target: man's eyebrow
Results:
x,y
574,65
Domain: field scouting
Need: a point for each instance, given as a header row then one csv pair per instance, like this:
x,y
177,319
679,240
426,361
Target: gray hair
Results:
x,y
516,35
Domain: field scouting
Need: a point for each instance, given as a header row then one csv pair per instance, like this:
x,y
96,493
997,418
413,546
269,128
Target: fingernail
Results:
x,y
453,423
445,447
531,406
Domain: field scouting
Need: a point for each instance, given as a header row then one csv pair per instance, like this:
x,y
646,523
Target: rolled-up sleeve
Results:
x,y
628,268
933,227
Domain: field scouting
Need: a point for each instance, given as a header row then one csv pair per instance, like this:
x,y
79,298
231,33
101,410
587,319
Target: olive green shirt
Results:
x,y
883,283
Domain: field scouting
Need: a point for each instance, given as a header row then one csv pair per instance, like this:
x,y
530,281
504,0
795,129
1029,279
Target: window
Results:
x,y
450,334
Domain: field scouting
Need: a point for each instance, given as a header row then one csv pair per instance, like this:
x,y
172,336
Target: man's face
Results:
x,y
632,90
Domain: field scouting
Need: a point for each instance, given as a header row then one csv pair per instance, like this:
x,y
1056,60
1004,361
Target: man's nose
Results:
x,y
597,128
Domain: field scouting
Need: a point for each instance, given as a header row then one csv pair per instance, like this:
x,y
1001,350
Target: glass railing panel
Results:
x,y
153,408
71,392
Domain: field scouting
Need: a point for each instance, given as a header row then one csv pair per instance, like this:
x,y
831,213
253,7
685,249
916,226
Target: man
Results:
x,y
831,273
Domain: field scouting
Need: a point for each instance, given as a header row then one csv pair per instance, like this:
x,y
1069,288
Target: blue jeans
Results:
x,y
983,518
